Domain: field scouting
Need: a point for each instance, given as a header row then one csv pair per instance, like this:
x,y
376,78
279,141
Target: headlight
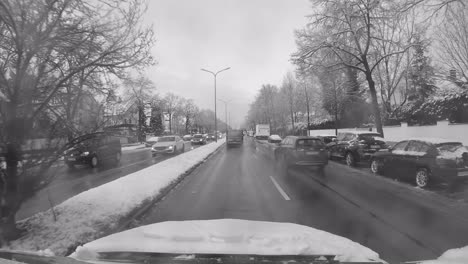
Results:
x,y
170,147
86,153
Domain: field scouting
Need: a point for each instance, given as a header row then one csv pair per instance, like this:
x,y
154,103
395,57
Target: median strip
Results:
x,y
93,213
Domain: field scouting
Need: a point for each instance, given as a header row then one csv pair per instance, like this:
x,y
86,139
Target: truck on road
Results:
x,y
262,131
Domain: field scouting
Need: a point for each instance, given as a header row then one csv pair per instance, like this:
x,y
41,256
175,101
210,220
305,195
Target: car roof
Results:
x,y
434,140
305,137
359,132
325,135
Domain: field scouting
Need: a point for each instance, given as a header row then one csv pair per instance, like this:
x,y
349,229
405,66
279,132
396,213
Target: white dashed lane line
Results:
x,y
280,190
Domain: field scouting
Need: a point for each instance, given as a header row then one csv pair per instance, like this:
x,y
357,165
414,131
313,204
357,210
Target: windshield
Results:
x,y
202,110
166,139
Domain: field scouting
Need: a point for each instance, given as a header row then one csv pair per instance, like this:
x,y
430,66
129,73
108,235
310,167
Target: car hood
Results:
x,y
227,236
164,144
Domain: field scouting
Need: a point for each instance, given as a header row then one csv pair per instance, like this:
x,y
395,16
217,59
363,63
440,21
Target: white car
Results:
x,y
168,145
274,139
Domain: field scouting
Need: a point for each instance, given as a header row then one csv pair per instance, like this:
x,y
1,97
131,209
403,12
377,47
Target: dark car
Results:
x,y
211,137
234,137
355,146
93,149
198,139
301,151
423,160
327,138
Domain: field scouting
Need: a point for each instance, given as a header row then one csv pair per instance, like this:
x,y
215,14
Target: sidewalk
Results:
x,y
133,146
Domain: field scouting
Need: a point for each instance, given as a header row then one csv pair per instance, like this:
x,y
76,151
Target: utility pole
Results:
x,y
308,110
216,121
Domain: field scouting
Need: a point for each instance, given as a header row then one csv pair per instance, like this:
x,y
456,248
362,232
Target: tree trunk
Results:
x,y
375,104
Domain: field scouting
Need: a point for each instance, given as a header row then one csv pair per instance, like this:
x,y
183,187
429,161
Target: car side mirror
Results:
x,y
334,140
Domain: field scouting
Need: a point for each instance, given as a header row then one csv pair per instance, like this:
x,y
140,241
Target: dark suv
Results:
x,y
301,151
93,149
355,146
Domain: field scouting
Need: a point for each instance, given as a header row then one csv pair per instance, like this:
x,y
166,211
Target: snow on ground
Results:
x,y
451,256
228,236
133,147
82,217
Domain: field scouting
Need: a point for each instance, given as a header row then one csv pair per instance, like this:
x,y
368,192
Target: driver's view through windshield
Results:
x,y
234,131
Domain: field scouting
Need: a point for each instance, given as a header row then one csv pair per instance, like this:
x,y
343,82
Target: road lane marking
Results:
x,y
280,190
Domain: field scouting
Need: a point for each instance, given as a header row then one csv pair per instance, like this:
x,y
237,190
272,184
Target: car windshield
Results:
x,y
166,139
116,115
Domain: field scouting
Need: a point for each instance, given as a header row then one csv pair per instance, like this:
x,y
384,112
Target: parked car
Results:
x,y
234,137
187,138
355,146
93,149
327,138
423,160
274,139
198,139
301,151
151,141
168,145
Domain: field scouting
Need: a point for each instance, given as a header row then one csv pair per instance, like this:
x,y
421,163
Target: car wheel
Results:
x,y
175,150
94,161
350,161
422,177
376,166
183,148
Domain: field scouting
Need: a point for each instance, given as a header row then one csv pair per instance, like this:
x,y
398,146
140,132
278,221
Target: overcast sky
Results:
x,y
253,37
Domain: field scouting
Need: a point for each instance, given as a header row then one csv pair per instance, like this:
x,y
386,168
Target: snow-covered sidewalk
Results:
x,y
139,146
85,216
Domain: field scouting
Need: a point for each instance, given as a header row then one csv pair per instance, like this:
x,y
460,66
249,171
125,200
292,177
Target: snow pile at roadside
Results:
x,y
228,236
82,217
139,146
451,256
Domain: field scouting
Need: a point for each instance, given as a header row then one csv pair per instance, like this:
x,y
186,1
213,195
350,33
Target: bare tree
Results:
x,y
288,88
452,36
172,107
346,29
44,45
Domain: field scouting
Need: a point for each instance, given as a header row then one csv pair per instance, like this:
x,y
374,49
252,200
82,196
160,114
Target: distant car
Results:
x,y
151,141
93,149
423,160
234,137
198,139
187,138
210,137
327,138
301,151
168,145
274,139
356,146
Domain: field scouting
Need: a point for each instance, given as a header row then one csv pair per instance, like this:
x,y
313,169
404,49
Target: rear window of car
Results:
x,y
235,133
369,136
198,136
309,143
166,139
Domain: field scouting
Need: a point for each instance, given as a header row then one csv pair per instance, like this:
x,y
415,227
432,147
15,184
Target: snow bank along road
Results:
x,y
399,222
93,213
68,183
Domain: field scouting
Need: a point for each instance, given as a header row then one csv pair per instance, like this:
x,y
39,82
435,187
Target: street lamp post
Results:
x,y
225,112
214,75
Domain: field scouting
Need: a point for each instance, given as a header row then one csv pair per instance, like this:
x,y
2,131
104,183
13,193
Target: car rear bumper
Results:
x,y
450,174
234,142
78,160
317,163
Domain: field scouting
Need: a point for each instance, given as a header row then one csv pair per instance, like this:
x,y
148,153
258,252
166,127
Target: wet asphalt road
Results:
x,y
70,182
400,222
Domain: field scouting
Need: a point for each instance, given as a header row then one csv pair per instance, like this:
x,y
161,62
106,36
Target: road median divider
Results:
x,y
105,209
